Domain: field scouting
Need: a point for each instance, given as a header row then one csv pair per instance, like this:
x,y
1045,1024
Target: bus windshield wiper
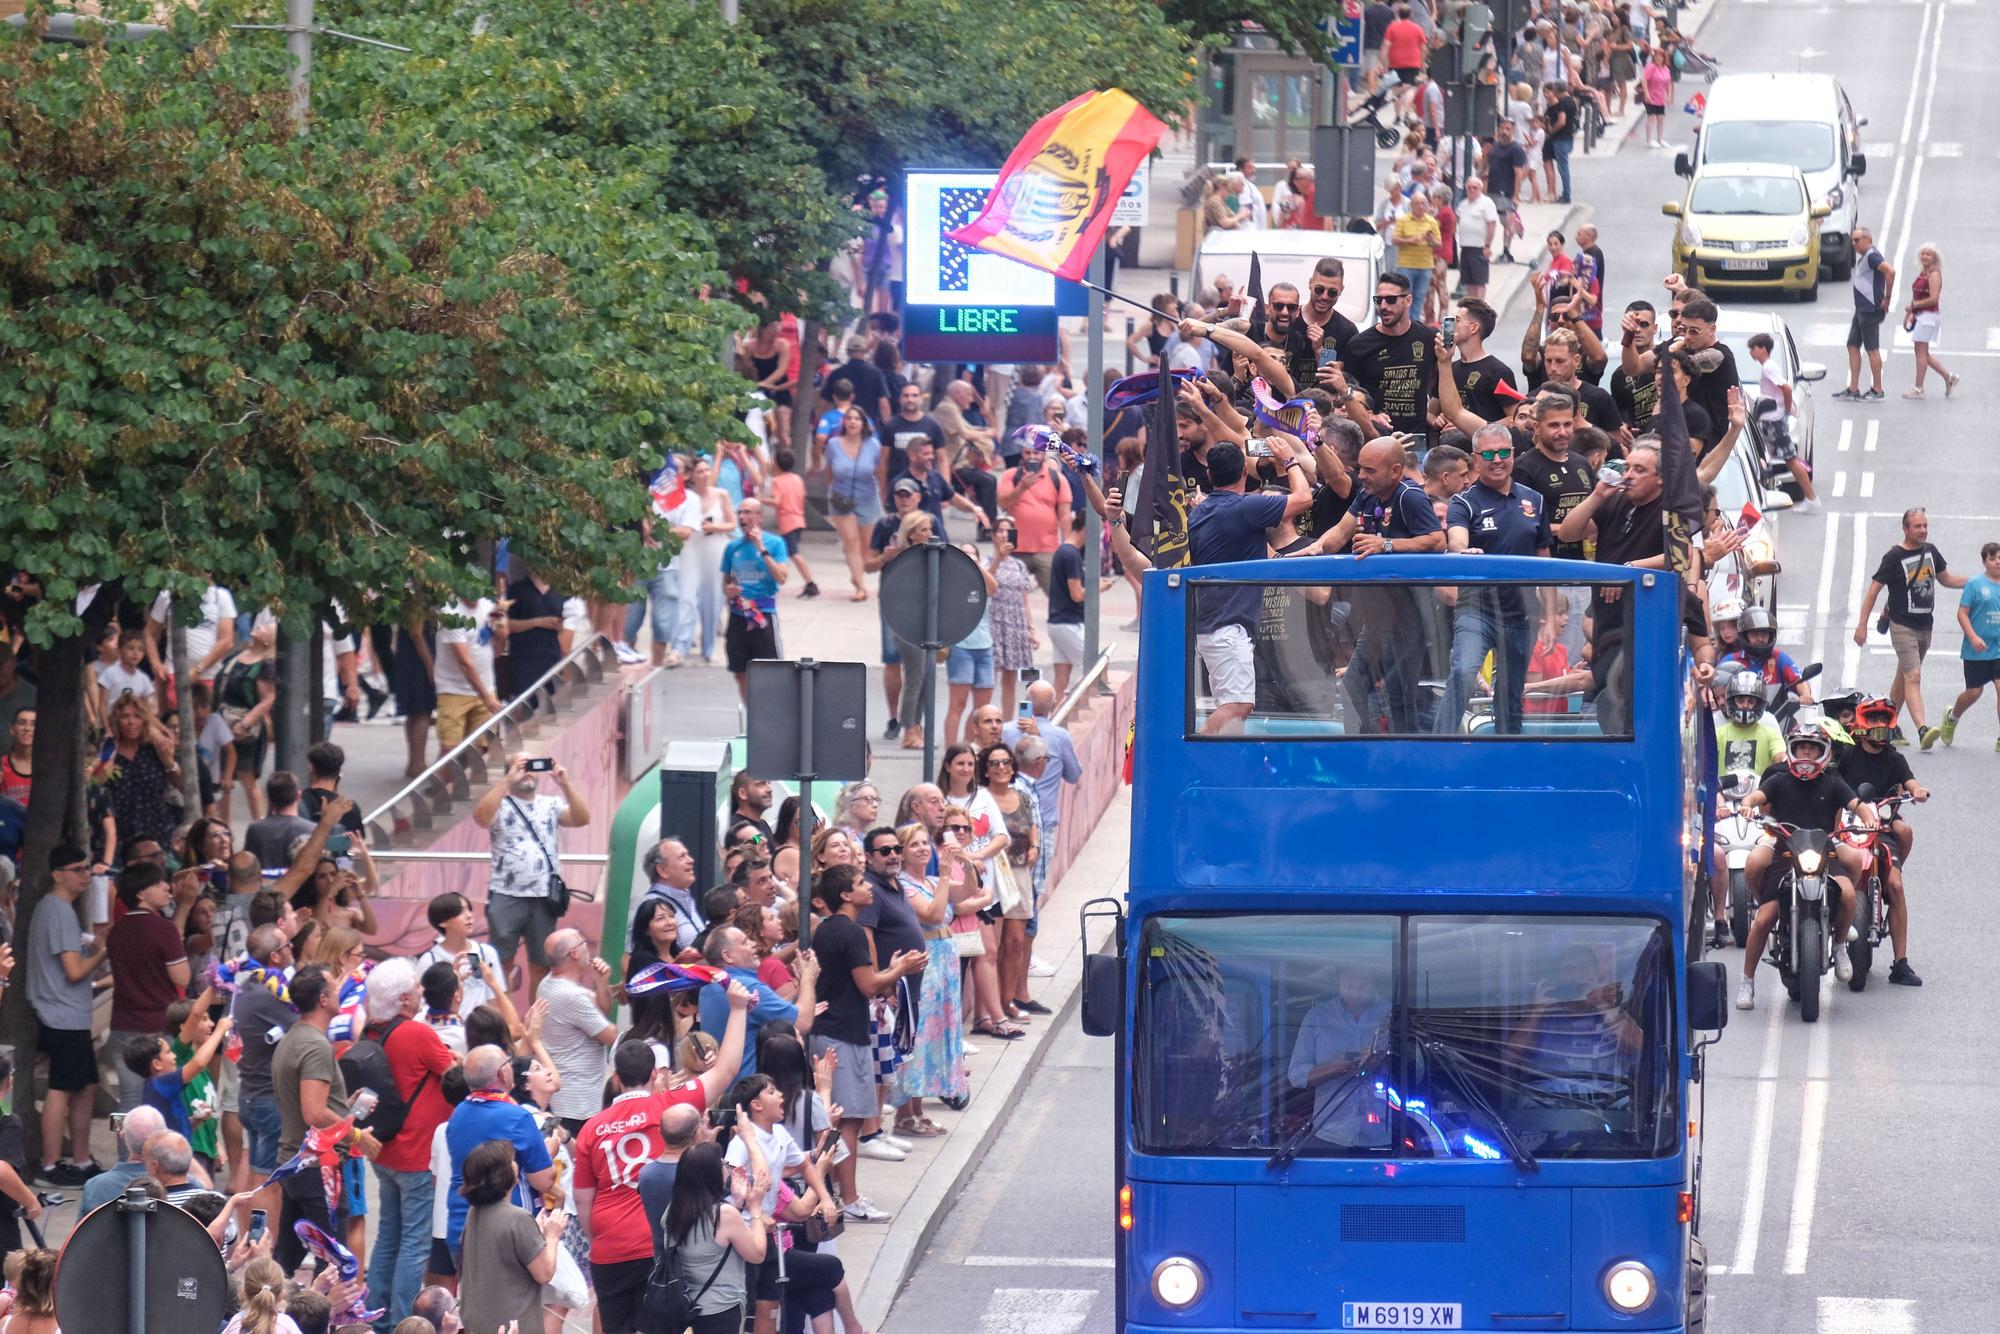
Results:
x,y
1452,1062
1290,1148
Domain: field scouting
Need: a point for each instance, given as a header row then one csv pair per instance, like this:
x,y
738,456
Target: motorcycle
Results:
x,y
1782,700
1801,950
1735,835
1871,910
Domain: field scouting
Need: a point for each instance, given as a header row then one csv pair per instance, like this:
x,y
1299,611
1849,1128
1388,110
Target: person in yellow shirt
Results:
x,y
1416,238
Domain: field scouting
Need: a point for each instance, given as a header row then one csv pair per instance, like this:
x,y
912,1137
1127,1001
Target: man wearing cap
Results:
x,y
934,489
1038,496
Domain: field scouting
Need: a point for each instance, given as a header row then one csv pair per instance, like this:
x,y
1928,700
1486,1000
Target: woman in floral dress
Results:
x,y
936,1069
1014,641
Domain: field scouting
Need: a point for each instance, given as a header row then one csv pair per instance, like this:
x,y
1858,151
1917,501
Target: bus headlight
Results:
x,y
1178,1282
1629,1286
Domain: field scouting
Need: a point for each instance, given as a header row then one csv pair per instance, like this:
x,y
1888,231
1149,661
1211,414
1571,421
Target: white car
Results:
x,y
1286,255
1734,329
1737,485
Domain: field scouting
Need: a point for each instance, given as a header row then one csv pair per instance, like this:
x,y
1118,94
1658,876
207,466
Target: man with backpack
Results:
x,y
402,1060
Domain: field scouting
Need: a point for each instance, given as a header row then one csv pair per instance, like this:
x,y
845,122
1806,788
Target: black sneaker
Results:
x,y
893,730
1848,396
64,1174
1872,396
811,590
89,1168
1903,975
1032,1007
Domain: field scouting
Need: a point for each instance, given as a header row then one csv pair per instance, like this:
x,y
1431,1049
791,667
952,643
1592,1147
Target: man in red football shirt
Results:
x,y
616,1143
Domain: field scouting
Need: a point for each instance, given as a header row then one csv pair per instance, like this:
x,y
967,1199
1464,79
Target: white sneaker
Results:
x,y
627,654
1806,507
1746,994
898,1143
880,1149
863,1210
967,1049
1843,967
1036,968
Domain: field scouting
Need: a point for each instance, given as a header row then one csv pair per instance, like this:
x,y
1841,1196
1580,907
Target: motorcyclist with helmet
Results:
x,y
1747,741
1726,616
1873,761
1804,791
1759,652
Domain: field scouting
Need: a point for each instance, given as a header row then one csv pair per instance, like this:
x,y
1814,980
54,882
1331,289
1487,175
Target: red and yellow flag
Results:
x,y
1052,203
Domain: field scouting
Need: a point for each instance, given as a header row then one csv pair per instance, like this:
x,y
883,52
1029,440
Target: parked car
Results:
x,y
1734,329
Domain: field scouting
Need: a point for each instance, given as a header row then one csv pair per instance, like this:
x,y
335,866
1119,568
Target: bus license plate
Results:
x,y
1744,265
1401,1315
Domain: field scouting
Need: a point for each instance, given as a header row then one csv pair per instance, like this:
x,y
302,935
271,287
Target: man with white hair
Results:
x,y
169,1159
490,1114
141,1124
405,1189
576,1031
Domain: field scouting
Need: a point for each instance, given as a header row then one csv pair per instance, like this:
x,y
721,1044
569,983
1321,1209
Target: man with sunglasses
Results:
x,y
1321,331
1395,361
1873,764
1498,516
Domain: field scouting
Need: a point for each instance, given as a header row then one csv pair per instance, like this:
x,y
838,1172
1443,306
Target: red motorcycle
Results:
x,y
1871,911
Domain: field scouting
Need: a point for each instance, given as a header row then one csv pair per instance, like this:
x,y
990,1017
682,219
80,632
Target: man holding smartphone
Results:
x,y
523,826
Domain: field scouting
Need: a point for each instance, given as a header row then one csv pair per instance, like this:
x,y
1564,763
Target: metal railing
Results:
x,y
1081,687
419,807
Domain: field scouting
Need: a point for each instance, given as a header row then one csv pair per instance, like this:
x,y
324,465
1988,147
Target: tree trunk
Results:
x,y
805,398
177,649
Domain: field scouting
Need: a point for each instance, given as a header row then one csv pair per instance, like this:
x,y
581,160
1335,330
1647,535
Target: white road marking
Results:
x,y
1867,484
1923,134
1857,581
1874,435
1812,1133
1992,338
1036,1311
1942,149
1847,435
1040,1262
1825,601
1758,1171
1867,1315
1792,616
1839,484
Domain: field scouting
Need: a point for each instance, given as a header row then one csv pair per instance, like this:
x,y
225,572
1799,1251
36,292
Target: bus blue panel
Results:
x,y
1612,1225
1311,838
1195,1221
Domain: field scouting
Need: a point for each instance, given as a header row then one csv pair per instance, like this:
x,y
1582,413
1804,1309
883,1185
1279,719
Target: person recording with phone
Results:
x,y
523,823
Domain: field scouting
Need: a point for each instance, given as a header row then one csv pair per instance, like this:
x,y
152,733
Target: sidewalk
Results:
x,y
918,1191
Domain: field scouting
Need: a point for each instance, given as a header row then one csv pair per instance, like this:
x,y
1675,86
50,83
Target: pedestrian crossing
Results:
x,y
1037,1310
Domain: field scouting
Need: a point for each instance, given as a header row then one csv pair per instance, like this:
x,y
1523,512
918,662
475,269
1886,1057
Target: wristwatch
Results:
x,y
1388,545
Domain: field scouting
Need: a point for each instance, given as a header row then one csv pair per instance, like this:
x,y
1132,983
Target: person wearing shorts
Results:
x,y
1910,572
1230,525
1874,280
753,566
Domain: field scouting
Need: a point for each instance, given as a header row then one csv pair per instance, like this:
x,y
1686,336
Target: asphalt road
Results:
x,y
1847,1189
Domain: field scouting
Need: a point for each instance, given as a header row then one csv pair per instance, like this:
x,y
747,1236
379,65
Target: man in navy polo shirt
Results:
x,y
1388,514
491,1113
1229,526
1501,517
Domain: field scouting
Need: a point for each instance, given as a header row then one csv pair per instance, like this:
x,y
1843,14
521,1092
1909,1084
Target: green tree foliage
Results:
x,y
1293,24
693,143
947,83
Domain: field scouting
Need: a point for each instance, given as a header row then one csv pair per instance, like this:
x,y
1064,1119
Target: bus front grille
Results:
x,y
1437,1223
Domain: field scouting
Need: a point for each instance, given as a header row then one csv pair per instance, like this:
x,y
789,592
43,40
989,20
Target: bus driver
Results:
x,y
1329,1057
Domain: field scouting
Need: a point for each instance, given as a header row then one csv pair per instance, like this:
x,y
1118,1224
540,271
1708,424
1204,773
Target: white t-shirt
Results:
x,y
781,1154
216,607
478,641
1474,216
117,679
440,1185
475,991
1771,382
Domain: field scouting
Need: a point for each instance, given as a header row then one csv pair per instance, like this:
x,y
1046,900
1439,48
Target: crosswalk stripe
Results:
x,y
1867,1315
1036,1310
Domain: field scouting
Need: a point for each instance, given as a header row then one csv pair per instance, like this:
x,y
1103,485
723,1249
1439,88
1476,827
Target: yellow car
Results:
x,y
1748,225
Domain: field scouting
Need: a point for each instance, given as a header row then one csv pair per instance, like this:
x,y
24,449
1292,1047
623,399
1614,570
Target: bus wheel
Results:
x,y
1696,1309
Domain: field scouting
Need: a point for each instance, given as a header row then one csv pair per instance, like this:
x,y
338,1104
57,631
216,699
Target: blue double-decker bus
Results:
x,y
1408,1032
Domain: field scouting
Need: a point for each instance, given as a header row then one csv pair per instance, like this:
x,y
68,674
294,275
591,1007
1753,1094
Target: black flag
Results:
x,y
1680,486
1165,502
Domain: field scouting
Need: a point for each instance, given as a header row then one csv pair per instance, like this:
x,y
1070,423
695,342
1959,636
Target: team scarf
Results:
x,y
345,1267
670,977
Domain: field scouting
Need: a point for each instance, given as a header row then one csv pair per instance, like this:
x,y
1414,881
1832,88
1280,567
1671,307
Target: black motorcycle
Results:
x,y
1801,949
1871,906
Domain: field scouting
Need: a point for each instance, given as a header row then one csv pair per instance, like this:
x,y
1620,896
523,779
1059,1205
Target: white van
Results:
x,y
1287,255
1800,120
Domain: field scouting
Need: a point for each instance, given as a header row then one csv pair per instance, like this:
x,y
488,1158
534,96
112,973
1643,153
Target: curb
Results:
x,y
917,1222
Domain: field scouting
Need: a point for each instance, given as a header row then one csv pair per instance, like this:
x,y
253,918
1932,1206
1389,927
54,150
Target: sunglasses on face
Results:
x,y
1495,455
958,828
883,849
1283,305
1325,291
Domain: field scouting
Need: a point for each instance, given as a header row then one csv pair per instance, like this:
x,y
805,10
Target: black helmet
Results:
x,y
1745,697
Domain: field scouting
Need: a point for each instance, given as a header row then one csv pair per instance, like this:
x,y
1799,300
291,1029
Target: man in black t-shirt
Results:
x,y
1395,361
1478,373
1627,518
1636,396
1505,161
1560,116
1873,766
1561,366
1911,571
1806,793
1550,468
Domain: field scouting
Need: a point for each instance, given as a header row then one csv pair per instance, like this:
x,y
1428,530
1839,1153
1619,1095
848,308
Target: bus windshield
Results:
x,y
1406,1036
1405,659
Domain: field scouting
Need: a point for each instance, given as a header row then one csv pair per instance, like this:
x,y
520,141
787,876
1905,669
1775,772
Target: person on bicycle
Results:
x,y
1876,763
1806,793
1759,652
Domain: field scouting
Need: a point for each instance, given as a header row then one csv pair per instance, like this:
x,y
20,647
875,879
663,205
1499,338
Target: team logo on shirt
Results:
x,y
1417,349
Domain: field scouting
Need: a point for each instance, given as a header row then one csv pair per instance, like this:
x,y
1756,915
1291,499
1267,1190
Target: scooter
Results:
x,y
1735,835
1782,700
1802,950
1871,911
